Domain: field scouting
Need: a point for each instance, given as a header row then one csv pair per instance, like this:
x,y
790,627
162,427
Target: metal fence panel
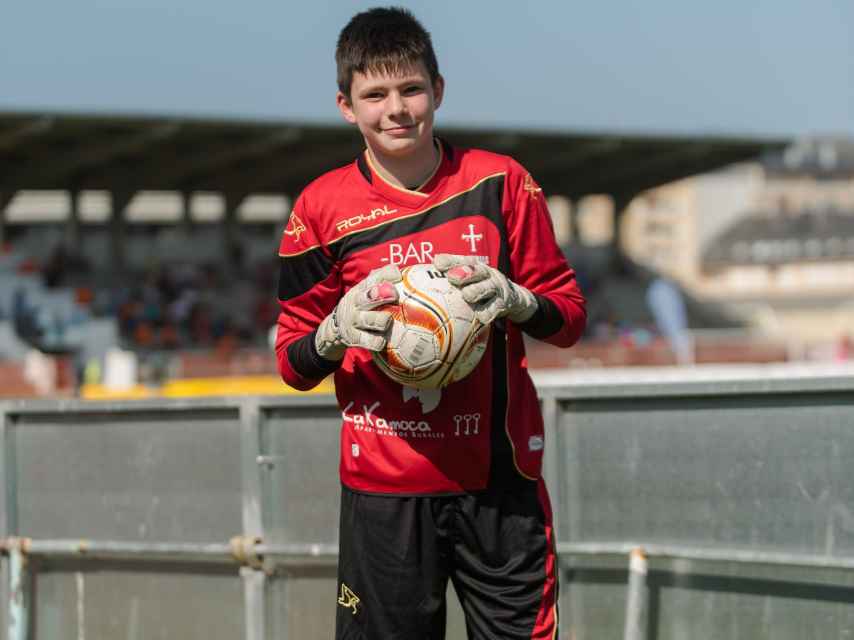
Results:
x,y
300,485
593,599
5,475
750,466
724,468
711,601
133,475
4,596
132,604
722,602
302,605
769,472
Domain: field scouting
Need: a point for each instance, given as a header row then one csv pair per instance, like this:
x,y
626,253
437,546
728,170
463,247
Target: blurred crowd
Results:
x,y
182,305
178,305
169,305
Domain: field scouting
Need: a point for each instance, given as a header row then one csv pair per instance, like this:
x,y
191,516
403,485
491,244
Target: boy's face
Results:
x,y
394,112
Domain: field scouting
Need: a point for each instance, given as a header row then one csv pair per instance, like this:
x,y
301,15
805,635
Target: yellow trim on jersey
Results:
x,y
299,253
435,170
417,190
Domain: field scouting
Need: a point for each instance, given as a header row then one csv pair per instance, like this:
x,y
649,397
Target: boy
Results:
x,y
425,499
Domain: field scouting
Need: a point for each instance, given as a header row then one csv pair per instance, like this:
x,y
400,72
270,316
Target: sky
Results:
x,y
729,67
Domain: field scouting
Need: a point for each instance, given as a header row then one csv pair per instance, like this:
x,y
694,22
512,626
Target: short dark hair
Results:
x,y
383,39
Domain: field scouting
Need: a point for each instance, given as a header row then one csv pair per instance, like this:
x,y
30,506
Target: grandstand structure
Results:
x,y
123,155
188,211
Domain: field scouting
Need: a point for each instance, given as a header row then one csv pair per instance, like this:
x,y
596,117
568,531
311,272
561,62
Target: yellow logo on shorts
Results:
x,y
348,599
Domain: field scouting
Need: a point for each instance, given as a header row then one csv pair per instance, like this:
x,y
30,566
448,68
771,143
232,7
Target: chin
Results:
x,y
403,146
400,147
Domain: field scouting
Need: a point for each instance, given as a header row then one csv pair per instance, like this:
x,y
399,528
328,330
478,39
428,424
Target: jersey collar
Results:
x,y
407,197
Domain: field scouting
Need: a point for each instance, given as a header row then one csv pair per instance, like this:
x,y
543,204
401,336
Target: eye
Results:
x,y
373,96
413,89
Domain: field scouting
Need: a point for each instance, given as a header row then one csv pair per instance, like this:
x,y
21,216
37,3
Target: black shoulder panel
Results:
x,y
300,273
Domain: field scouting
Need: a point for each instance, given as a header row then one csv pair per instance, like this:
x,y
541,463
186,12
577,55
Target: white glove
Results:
x,y
487,290
353,323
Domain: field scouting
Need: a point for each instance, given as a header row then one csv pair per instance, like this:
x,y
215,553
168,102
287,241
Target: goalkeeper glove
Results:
x,y
353,323
487,290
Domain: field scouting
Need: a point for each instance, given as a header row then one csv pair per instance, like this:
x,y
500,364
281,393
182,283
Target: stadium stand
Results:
x,y
192,297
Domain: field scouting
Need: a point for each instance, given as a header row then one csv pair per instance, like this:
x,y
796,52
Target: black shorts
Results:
x,y
397,554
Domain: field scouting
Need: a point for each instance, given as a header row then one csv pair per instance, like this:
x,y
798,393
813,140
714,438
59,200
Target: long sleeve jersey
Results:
x,y
484,431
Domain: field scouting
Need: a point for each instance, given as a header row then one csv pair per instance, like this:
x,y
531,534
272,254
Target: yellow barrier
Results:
x,y
202,387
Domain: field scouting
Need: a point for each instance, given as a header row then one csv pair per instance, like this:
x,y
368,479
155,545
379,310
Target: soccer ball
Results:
x,y
435,338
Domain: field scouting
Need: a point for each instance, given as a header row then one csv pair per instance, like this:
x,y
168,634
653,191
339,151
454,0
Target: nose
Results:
x,y
396,104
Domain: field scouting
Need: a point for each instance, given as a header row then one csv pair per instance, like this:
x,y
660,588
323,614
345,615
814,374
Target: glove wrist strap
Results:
x,y
524,305
328,340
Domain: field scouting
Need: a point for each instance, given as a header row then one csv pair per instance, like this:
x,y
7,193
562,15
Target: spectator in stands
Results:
x,y
55,267
61,265
24,317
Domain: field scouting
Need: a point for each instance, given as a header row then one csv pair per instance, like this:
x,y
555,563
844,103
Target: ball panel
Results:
x,y
471,353
418,347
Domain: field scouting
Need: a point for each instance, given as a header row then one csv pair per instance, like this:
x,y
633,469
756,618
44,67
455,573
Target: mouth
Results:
x,y
399,129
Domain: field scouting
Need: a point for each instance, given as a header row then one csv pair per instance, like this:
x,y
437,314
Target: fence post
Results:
x,y
19,593
636,598
254,580
254,586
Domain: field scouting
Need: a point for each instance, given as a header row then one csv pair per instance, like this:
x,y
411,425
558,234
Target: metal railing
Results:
x,y
719,497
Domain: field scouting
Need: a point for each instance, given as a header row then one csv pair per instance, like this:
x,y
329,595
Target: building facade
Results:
x,y
772,241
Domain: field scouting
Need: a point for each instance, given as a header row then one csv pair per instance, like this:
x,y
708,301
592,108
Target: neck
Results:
x,y
409,172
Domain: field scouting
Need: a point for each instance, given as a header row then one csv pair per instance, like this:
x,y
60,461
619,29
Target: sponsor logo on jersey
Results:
x,y
472,238
367,421
348,599
536,443
294,227
404,425
346,224
466,424
531,187
409,253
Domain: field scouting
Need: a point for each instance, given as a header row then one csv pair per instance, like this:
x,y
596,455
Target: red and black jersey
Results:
x,y
483,431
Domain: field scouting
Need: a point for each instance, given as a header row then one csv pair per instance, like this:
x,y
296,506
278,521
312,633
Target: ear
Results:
x,y
345,107
438,91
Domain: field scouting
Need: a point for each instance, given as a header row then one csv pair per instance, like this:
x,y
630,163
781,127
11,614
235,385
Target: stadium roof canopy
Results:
x,y
128,154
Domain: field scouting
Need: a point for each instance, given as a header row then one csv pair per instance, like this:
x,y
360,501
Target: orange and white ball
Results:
x,y
435,339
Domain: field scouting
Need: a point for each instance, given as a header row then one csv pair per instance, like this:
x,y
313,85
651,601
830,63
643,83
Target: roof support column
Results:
x,y
574,228
230,228
621,205
563,219
186,214
72,226
5,199
120,201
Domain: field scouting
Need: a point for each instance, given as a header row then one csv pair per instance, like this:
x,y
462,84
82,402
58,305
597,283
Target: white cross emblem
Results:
x,y
472,238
